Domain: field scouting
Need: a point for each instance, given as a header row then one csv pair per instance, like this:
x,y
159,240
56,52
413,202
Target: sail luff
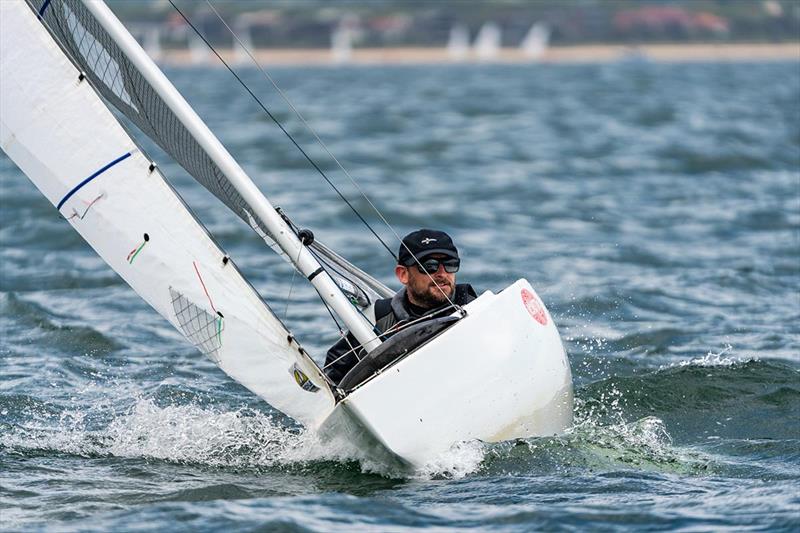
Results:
x,y
305,262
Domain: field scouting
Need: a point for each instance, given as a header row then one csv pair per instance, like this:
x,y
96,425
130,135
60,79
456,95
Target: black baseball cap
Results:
x,y
425,242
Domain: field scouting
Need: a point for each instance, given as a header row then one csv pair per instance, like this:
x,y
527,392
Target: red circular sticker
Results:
x,y
534,306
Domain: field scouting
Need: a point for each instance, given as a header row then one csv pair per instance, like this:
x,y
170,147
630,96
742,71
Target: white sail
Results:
x,y
487,43
152,43
244,33
534,45
120,70
342,43
458,43
55,127
198,51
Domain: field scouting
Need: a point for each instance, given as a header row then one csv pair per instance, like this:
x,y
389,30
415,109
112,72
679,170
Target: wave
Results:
x,y
656,421
174,433
32,322
714,396
643,445
250,440
205,436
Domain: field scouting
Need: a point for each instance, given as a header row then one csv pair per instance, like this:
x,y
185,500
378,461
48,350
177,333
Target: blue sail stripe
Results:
x,y
44,8
90,178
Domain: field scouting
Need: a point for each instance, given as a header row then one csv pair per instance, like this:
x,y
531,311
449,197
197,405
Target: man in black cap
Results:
x,y
427,264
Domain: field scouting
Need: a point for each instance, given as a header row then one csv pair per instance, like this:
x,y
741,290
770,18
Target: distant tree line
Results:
x,y
310,23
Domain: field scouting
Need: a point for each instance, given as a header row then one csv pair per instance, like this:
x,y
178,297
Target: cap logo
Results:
x,y
427,240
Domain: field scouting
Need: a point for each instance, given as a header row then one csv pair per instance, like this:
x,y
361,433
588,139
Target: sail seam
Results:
x,y
90,178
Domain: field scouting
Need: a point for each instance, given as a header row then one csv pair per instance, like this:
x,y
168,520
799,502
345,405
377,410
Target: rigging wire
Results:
x,y
291,286
357,307
283,129
303,120
329,267
316,137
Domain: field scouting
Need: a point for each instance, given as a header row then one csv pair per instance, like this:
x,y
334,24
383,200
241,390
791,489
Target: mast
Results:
x,y
300,256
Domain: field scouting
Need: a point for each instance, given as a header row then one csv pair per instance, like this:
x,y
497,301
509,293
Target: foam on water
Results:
x,y
192,434
175,433
248,439
462,459
642,444
606,439
712,359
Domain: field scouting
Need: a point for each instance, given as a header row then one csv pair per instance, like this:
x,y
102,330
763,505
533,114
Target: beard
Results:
x,y
430,296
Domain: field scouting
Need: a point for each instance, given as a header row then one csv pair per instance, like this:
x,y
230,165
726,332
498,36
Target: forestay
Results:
x,y
116,78
55,127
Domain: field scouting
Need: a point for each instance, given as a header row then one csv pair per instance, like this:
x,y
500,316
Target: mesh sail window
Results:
x,y
203,329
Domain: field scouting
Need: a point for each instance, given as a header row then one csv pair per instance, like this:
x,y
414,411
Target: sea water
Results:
x,y
654,207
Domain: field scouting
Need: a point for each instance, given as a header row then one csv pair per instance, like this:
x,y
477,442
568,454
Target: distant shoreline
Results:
x,y
559,54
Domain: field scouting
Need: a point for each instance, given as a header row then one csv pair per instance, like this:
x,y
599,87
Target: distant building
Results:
x,y
667,22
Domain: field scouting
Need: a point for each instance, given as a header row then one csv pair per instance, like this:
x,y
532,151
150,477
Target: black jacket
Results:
x,y
390,314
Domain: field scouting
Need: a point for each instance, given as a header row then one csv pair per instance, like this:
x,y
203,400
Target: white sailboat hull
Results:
x,y
500,373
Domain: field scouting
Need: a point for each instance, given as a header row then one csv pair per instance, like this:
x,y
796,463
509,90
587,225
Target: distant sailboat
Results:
x,y
487,43
342,41
458,44
244,43
152,43
198,51
534,45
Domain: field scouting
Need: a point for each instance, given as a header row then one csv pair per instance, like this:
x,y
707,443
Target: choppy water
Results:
x,y
655,207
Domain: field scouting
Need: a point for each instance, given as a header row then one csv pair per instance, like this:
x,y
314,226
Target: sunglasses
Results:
x,y
431,266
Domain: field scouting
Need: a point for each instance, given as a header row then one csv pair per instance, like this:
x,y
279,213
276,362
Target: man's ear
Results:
x,y
402,274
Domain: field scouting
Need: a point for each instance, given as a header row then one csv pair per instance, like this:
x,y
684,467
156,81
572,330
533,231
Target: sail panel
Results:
x,y
58,131
85,41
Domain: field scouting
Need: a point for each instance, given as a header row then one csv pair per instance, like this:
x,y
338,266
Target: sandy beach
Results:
x,y
564,54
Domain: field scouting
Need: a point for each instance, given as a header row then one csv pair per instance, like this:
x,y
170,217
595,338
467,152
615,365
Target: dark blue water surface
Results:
x,y
655,207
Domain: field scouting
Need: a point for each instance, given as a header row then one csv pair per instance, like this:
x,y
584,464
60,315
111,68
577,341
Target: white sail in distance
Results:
x,y
487,43
458,43
534,45
342,40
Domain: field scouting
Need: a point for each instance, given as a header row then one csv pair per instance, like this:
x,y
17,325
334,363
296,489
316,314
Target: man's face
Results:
x,y
425,290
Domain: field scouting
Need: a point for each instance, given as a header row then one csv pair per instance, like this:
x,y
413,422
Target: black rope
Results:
x,y
289,135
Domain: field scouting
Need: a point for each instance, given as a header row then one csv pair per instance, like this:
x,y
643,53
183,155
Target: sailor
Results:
x,y
426,266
